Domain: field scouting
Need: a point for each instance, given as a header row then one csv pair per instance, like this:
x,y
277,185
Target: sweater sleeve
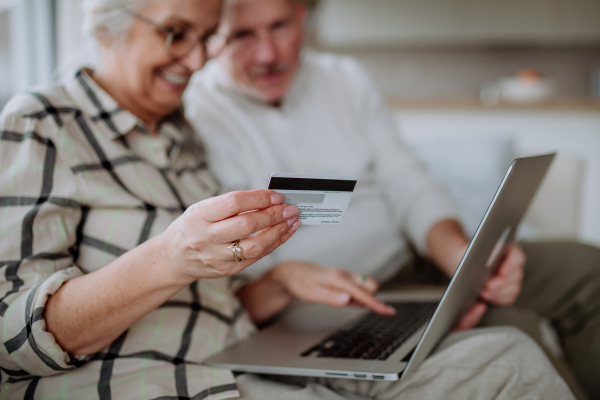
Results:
x,y
417,201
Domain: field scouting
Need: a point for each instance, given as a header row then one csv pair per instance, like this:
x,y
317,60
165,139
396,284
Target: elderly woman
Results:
x,y
115,257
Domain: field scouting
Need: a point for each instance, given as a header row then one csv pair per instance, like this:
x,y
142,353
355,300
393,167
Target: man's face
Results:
x,y
263,43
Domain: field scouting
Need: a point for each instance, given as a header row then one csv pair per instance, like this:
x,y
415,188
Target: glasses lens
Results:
x,y
180,43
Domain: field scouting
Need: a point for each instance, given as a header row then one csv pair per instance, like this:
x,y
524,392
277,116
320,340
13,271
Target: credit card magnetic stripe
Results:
x,y
322,185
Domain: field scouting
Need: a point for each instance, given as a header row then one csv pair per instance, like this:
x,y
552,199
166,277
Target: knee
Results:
x,y
587,253
496,340
580,259
586,259
510,335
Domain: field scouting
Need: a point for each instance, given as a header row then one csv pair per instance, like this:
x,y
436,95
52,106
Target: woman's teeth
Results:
x,y
174,78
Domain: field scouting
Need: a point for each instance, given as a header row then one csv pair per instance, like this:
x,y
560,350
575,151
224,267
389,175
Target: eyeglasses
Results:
x,y
246,41
179,42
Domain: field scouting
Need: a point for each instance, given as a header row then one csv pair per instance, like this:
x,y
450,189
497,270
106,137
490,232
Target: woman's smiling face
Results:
x,y
138,70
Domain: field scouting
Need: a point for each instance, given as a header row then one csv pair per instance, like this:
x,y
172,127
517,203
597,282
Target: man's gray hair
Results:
x,y
109,18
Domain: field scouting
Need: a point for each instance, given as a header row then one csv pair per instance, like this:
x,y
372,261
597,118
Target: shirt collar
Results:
x,y
100,106
113,120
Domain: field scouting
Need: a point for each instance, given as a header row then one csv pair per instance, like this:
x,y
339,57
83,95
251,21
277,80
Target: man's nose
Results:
x,y
195,59
266,50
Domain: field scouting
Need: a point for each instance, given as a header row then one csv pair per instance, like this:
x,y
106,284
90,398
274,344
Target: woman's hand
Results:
x,y
336,287
309,282
195,244
114,297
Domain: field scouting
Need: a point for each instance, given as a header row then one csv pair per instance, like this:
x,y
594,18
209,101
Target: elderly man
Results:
x,y
265,105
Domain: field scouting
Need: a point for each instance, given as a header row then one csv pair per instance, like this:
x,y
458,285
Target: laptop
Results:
x,y
354,343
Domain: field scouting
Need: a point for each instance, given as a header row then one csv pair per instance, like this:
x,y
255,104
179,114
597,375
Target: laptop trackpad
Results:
x,y
314,318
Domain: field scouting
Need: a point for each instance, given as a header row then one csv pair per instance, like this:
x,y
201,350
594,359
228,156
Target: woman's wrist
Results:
x,y
273,282
276,277
163,248
265,297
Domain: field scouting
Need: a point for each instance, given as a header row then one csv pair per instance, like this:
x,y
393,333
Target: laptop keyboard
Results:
x,y
375,337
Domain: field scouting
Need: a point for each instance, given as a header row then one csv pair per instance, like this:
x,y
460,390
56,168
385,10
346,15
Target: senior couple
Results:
x,y
116,248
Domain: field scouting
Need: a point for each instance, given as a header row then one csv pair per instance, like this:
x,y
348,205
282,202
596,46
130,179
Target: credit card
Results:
x,y
322,199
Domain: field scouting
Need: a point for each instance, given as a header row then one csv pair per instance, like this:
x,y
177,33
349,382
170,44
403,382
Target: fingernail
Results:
x,y
343,298
295,226
391,310
292,221
277,198
290,211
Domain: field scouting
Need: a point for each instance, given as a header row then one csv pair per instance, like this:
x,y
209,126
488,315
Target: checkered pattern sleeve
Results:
x,y
39,214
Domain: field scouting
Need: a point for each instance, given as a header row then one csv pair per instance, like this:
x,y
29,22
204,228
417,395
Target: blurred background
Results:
x,y
471,84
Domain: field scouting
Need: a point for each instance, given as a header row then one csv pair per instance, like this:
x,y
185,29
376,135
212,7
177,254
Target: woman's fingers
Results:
x,y
243,225
233,203
191,237
342,281
472,317
284,238
267,240
253,248
327,295
336,287
368,282
318,292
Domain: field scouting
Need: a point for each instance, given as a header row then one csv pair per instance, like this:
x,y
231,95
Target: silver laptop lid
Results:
x,y
496,230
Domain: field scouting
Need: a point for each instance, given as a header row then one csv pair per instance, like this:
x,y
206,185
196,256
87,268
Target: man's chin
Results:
x,y
267,95
274,99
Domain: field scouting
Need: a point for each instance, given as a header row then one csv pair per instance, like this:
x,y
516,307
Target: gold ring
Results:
x,y
360,281
237,251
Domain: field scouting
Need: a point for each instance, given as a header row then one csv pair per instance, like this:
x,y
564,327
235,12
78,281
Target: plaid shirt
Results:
x,y
82,182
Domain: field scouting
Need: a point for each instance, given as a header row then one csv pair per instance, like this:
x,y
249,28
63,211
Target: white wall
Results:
x,y
5,70
460,72
74,49
571,134
428,49
427,22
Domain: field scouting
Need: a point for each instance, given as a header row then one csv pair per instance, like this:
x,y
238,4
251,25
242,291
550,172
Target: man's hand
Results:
x,y
504,286
447,244
501,289
471,317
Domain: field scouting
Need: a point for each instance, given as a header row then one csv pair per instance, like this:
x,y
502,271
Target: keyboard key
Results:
x,y
375,337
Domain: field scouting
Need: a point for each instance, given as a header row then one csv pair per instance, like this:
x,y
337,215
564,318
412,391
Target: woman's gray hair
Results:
x,y
108,18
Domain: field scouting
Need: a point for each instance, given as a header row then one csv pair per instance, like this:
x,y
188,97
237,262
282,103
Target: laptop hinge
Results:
x,y
408,356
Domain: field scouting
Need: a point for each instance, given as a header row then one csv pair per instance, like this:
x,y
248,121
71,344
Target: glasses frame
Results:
x,y
170,34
